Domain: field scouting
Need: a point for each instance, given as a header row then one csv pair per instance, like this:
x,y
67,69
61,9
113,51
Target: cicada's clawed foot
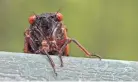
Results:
x,y
93,54
55,72
61,65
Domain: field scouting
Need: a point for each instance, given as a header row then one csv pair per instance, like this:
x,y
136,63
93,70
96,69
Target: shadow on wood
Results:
x,y
23,67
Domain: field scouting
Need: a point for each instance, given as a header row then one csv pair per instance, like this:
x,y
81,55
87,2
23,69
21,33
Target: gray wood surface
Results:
x,y
23,67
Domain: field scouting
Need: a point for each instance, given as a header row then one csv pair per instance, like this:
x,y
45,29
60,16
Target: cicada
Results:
x,y
47,35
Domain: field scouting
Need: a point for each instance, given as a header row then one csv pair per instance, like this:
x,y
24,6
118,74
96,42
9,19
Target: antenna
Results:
x,y
34,13
58,10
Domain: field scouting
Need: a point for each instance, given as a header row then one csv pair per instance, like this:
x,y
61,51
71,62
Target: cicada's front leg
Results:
x,y
29,44
44,49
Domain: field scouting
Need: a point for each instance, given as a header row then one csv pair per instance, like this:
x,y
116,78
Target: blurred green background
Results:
x,y
106,27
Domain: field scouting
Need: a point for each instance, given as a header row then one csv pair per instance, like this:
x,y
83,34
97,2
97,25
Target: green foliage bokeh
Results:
x,y
106,27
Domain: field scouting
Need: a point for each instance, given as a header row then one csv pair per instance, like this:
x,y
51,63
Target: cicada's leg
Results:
x,y
62,50
65,45
51,61
44,51
29,43
26,50
66,51
80,46
84,50
61,61
26,41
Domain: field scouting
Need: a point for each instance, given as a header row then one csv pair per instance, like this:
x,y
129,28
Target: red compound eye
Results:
x,y
59,16
32,19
